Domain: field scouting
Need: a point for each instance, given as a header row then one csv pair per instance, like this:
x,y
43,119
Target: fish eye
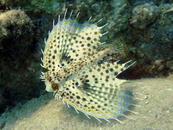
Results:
x,y
55,86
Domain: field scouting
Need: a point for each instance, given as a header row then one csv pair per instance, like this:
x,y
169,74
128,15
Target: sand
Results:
x,y
154,97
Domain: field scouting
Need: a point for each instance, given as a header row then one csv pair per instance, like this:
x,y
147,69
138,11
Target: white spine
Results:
x,y
77,15
89,19
65,14
99,21
103,26
71,14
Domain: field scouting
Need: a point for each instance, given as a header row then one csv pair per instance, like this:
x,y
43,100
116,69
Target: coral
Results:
x,y
166,17
48,6
152,44
14,22
156,42
16,48
117,21
143,15
36,6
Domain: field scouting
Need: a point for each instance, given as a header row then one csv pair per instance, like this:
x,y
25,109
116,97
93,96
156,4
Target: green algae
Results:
x,y
40,5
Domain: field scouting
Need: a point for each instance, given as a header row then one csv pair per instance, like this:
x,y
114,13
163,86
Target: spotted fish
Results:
x,y
75,74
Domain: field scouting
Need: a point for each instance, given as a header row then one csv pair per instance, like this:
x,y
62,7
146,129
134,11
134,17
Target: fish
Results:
x,y
75,74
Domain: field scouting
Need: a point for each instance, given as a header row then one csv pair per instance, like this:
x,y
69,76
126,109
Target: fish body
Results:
x,y
75,75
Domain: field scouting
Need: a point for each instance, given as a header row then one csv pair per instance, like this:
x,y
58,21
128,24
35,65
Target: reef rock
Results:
x,y
143,15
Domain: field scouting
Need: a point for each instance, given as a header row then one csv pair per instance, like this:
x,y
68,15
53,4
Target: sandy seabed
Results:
x,y
44,113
